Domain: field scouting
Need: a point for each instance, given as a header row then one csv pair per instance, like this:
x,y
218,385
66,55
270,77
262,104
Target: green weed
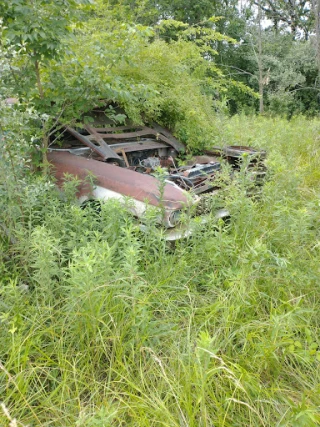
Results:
x,y
102,325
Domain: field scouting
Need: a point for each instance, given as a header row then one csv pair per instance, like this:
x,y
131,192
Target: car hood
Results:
x,y
129,183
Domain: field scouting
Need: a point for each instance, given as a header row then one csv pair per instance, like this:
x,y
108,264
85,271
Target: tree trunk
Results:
x,y
294,17
39,84
260,65
316,7
45,163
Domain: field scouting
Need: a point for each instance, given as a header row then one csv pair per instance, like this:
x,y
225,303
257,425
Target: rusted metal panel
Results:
x,y
142,131
141,187
117,128
178,145
174,142
205,186
152,145
104,151
203,160
104,146
240,150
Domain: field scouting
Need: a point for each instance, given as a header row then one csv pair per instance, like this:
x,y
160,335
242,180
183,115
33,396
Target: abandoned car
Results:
x,y
127,161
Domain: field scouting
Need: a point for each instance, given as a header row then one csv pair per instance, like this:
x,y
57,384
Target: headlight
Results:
x,y
173,218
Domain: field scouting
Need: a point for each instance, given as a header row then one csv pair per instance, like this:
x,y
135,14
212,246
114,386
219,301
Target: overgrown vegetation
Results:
x,y
102,325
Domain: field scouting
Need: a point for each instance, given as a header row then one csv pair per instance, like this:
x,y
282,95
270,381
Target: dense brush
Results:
x,y
102,325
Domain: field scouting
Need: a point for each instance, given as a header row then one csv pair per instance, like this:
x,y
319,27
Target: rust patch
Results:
x,y
141,187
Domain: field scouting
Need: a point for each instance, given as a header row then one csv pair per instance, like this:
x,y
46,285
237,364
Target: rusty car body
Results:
x,y
125,159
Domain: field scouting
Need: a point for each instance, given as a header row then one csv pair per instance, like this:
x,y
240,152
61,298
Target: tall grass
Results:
x,y
104,326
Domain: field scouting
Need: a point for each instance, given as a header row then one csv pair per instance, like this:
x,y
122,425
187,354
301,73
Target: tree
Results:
x,y
35,29
259,58
316,10
151,12
293,14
